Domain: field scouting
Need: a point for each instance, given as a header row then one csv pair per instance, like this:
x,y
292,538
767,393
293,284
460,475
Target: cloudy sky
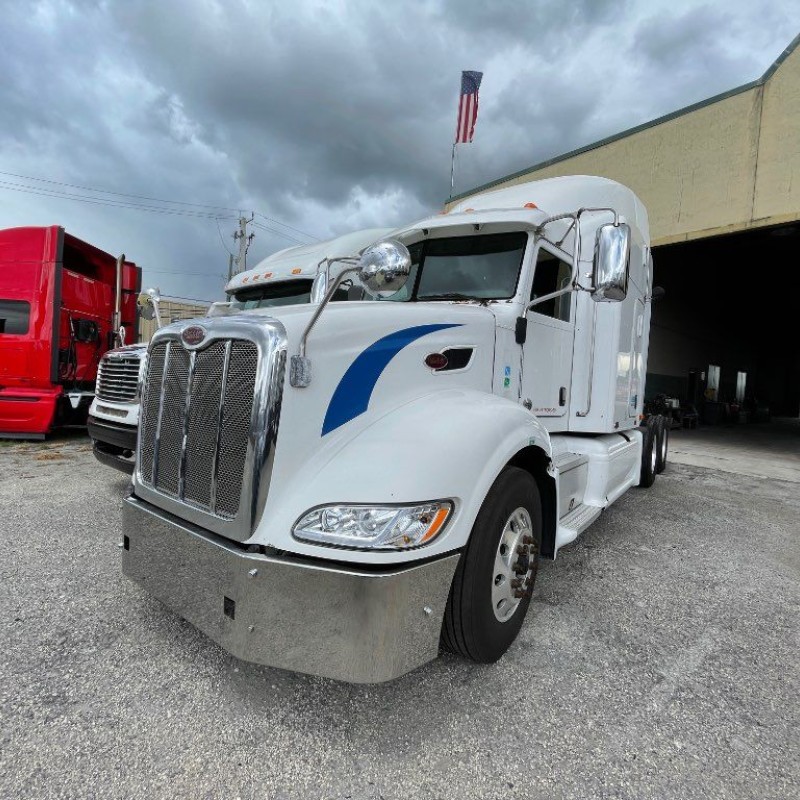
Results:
x,y
329,115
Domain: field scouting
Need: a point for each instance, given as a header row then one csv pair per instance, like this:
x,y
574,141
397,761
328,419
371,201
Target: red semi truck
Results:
x,y
63,304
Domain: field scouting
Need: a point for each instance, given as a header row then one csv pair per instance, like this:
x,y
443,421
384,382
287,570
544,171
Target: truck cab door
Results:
x,y
547,352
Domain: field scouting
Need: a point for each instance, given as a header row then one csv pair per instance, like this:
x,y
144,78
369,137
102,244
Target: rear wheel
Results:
x,y
663,444
647,473
493,583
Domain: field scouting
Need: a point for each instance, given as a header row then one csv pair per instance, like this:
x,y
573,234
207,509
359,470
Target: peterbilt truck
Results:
x,y
342,489
291,276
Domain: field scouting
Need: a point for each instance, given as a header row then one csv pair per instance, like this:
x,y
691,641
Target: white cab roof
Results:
x,y
530,203
296,263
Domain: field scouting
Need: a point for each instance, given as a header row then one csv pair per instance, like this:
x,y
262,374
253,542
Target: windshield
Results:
x,y
465,268
288,293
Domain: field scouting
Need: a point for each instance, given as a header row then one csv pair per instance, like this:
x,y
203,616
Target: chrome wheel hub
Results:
x,y
514,565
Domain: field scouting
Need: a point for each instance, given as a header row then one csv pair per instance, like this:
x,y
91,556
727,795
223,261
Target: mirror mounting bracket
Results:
x,y
382,268
300,364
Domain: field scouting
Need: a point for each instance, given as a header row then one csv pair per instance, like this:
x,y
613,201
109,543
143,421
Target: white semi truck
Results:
x,y
340,489
292,276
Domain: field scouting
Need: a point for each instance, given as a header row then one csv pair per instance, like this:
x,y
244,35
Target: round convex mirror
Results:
x,y
384,268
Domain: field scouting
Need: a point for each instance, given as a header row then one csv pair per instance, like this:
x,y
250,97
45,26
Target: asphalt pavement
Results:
x,y
660,659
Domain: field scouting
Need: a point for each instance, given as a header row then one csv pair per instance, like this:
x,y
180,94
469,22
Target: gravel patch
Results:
x,y
659,660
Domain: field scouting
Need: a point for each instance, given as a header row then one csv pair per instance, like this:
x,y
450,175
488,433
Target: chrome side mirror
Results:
x,y
611,258
384,268
319,287
148,305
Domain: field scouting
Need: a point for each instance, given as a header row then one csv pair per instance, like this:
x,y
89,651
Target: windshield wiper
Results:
x,y
446,296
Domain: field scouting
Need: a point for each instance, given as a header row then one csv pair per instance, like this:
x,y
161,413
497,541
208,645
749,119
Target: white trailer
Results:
x,y
341,489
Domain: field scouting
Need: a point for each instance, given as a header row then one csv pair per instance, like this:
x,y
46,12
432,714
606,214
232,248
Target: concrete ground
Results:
x,y
766,450
659,660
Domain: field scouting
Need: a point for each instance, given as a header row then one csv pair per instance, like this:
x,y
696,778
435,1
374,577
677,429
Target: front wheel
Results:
x,y
493,583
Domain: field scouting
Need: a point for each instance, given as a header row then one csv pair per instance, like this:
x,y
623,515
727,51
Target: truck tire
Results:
x,y
647,473
485,611
663,444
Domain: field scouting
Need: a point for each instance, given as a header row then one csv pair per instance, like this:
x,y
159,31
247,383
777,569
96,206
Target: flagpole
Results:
x,y
452,170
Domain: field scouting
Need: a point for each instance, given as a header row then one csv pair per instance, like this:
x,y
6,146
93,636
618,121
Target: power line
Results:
x,y
13,187
278,222
263,227
60,195
237,211
223,241
118,194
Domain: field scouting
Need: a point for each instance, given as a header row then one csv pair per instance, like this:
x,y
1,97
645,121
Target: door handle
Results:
x,y
562,396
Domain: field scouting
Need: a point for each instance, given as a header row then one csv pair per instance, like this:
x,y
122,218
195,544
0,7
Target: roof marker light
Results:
x,y
530,205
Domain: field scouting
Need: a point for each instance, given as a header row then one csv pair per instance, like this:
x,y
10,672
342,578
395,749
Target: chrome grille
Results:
x,y
209,421
148,418
196,423
235,426
118,378
170,436
203,427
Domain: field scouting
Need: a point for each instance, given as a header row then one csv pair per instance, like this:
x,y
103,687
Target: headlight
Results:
x,y
374,527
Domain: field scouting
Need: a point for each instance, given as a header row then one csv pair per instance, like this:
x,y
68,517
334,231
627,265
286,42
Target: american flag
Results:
x,y
468,106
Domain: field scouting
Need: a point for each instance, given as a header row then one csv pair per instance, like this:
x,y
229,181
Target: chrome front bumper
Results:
x,y
339,622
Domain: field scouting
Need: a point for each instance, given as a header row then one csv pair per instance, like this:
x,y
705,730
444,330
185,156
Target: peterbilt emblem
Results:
x,y
193,335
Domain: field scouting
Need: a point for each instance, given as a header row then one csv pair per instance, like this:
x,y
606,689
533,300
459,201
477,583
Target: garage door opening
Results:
x,y
724,339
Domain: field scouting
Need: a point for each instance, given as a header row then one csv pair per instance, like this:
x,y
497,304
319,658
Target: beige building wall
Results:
x,y
171,311
724,165
778,177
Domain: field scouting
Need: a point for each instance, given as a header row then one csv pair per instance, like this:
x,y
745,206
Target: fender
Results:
x,y
448,444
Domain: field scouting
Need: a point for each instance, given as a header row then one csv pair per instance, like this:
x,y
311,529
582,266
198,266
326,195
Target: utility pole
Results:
x,y
244,238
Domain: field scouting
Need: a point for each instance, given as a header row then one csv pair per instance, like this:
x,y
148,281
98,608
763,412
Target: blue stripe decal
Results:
x,y
353,393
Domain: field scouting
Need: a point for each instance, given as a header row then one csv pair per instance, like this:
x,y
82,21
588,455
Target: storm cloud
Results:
x,y
327,116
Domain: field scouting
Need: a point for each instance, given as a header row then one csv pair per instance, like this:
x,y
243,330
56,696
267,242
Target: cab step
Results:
x,y
575,522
